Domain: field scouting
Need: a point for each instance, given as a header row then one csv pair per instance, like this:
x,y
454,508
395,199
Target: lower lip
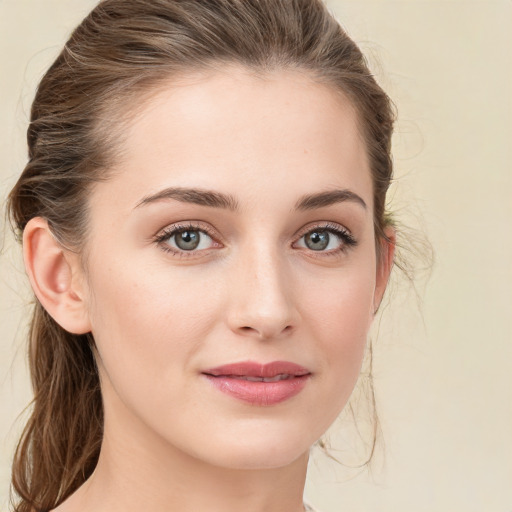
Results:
x,y
259,393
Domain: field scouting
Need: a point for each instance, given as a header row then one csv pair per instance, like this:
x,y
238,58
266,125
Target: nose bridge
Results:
x,y
262,300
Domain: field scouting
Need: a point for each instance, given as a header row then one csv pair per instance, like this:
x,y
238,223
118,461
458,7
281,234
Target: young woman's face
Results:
x,y
237,230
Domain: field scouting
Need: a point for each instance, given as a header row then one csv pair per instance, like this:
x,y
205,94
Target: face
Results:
x,y
231,271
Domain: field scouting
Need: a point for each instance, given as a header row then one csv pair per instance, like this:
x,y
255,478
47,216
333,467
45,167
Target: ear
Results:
x,y
384,265
56,277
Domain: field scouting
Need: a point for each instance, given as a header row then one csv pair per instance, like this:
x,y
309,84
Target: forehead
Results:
x,y
239,130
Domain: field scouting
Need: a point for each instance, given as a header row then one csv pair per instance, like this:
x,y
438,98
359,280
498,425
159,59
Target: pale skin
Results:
x,y
253,289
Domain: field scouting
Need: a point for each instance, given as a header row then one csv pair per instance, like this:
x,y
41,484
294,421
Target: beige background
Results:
x,y
443,376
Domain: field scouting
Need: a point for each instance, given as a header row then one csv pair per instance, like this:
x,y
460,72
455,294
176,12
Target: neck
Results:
x,y
184,485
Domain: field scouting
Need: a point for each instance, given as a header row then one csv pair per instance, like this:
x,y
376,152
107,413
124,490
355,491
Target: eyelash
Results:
x,y
347,240
174,230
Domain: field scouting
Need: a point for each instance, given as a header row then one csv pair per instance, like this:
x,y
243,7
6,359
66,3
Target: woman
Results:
x,y
204,227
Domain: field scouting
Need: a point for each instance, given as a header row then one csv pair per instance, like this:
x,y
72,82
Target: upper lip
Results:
x,y
255,369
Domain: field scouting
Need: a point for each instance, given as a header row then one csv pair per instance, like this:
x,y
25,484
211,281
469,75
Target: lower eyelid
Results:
x,y
162,240
344,237
345,240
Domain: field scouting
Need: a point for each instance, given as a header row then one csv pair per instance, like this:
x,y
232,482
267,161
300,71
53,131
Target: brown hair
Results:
x,y
120,51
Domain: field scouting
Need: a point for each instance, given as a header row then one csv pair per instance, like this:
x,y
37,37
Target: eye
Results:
x,y
329,239
320,240
190,240
179,239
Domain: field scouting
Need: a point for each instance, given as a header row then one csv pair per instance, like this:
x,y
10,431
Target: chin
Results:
x,y
259,459
260,447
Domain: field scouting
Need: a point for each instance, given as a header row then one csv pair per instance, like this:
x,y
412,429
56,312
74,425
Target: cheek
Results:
x,y
340,308
147,323
339,315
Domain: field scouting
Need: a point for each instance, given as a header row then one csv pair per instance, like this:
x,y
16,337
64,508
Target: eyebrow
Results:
x,y
214,199
194,196
327,198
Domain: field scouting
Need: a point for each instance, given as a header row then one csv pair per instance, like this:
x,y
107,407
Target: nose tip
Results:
x,y
262,303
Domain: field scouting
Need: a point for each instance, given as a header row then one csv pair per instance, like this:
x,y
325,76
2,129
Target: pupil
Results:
x,y
318,240
187,240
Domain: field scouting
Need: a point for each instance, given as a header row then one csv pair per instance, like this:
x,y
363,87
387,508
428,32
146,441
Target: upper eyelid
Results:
x,y
173,229
326,225
344,234
176,227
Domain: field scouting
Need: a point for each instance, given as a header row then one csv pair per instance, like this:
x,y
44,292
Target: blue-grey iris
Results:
x,y
187,240
317,240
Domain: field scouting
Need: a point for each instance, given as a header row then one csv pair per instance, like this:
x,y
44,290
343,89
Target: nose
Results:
x,y
262,303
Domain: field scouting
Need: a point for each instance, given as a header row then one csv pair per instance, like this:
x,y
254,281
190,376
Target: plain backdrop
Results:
x,y
443,364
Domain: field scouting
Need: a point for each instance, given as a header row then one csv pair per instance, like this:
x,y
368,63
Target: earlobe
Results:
x,y
54,276
384,265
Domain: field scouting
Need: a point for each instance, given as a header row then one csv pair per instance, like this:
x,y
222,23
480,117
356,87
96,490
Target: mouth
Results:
x,y
281,376
259,384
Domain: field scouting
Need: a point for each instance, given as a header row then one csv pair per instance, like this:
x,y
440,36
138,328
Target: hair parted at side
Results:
x,y
122,50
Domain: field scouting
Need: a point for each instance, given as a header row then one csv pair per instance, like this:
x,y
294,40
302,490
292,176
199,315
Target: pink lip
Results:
x,y
231,379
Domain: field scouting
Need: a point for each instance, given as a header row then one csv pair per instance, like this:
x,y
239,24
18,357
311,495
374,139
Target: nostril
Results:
x,y
262,332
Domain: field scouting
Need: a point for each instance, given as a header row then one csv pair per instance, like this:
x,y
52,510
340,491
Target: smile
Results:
x,y
282,376
259,384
